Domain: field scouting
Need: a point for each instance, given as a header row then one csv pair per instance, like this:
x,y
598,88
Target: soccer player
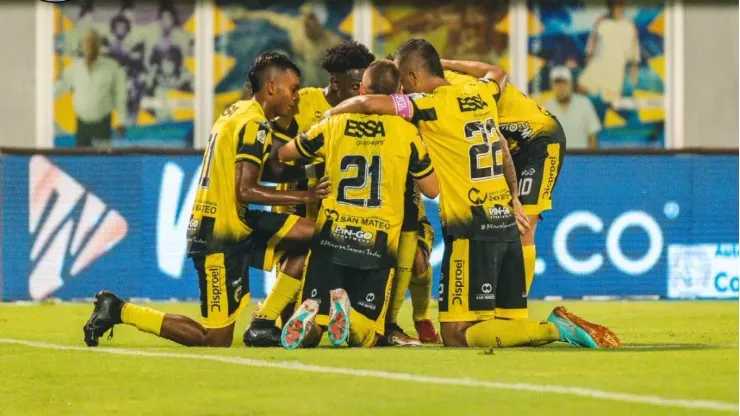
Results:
x,y
350,267
226,236
537,144
345,63
482,293
413,273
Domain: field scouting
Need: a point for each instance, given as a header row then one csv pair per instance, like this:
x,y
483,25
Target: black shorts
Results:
x,y
223,277
538,175
268,230
368,290
482,280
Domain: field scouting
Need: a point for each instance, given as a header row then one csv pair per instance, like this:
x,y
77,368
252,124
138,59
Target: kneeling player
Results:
x,y
483,291
348,275
537,144
225,236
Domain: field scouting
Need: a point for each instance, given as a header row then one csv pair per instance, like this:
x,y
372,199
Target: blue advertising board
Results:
x,y
663,225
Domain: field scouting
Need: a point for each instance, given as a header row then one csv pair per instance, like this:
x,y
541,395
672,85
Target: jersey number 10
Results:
x,y
365,170
483,150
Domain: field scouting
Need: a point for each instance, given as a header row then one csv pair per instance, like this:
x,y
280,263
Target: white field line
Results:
x,y
466,382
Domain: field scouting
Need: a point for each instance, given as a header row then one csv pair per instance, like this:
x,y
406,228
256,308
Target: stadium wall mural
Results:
x,y
476,31
612,53
140,89
302,30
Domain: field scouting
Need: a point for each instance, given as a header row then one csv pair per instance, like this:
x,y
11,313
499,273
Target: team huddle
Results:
x,y
348,233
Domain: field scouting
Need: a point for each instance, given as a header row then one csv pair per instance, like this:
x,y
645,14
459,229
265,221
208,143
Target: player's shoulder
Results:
x,y
245,113
310,97
454,77
310,92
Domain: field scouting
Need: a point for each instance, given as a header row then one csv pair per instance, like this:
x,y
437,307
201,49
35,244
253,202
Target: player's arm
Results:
x,y
478,70
406,106
250,191
249,158
307,146
421,169
366,104
510,176
275,170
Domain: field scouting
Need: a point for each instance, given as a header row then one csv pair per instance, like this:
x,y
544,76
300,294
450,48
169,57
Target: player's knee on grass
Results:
x,y
453,333
219,337
421,262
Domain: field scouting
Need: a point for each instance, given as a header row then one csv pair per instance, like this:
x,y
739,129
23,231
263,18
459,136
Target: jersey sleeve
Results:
x,y
489,87
285,134
420,165
311,143
423,107
252,142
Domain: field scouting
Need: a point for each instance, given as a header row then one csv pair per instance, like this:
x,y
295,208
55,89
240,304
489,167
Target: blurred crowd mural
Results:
x,y
610,52
124,73
477,31
598,66
302,30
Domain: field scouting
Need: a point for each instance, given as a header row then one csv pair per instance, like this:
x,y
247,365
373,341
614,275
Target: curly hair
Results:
x,y
347,56
264,62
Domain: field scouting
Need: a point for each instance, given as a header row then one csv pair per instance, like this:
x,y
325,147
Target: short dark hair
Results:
x,y
426,52
385,78
346,57
266,61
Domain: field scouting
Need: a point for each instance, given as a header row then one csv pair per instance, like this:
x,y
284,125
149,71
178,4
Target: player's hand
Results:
x,y
522,222
321,190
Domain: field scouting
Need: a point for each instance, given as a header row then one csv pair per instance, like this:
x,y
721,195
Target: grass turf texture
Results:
x,y
675,350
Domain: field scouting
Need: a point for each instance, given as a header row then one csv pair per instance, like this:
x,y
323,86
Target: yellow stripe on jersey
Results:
x,y
250,158
423,173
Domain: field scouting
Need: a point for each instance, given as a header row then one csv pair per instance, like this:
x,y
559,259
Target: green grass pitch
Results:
x,y
679,358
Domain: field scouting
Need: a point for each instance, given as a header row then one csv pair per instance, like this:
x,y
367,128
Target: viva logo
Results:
x,y
65,244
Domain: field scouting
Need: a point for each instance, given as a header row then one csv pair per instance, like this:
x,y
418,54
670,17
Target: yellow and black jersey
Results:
x,y
312,105
218,220
527,127
368,158
459,126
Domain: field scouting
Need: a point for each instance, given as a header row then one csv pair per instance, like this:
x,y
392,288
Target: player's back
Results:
x,y
521,120
367,159
459,125
216,222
